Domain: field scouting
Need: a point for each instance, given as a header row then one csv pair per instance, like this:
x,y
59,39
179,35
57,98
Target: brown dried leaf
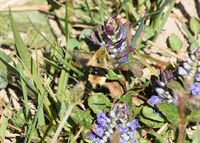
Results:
x,y
115,89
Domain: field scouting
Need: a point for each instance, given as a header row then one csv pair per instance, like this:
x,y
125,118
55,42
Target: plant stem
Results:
x,y
182,123
61,125
77,135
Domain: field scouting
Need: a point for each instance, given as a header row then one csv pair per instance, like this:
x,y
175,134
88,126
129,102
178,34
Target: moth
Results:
x,y
113,40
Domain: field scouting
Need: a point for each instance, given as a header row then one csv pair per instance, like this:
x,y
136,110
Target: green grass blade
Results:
x,y
136,40
25,56
20,46
74,69
49,42
138,34
90,12
33,125
24,91
122,5
153,71
64,75
30,68
61,125
165,17
16,72
133,11
102,10
66,23
157,18
3,127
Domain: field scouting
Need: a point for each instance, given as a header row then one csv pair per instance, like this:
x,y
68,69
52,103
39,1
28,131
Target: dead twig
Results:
x,y
44,8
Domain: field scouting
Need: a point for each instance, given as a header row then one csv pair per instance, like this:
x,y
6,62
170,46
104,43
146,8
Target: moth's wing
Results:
x,y
101,59
133,65
80,58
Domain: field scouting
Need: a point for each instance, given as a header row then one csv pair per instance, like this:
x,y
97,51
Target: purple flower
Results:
x,y
121,46
125,138
113,35
161,89
133,124
197,77
112,114
195,88
123,59
122,33
118,118
131,134
102,119
91,136
99,130
154,100
174,101
122,128
97,140
120,107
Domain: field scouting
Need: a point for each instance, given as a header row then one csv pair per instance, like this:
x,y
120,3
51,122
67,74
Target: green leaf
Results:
x,y
194,117
176,87
142,140
62,108
194,135
170,111
150,114
150,123
98,102
77,92
85,33
158,136
157,18
148,33
19,120
112,75
83,118
193,42
137,110
5,57
175,42
127,99
194,25
73,43
3,81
